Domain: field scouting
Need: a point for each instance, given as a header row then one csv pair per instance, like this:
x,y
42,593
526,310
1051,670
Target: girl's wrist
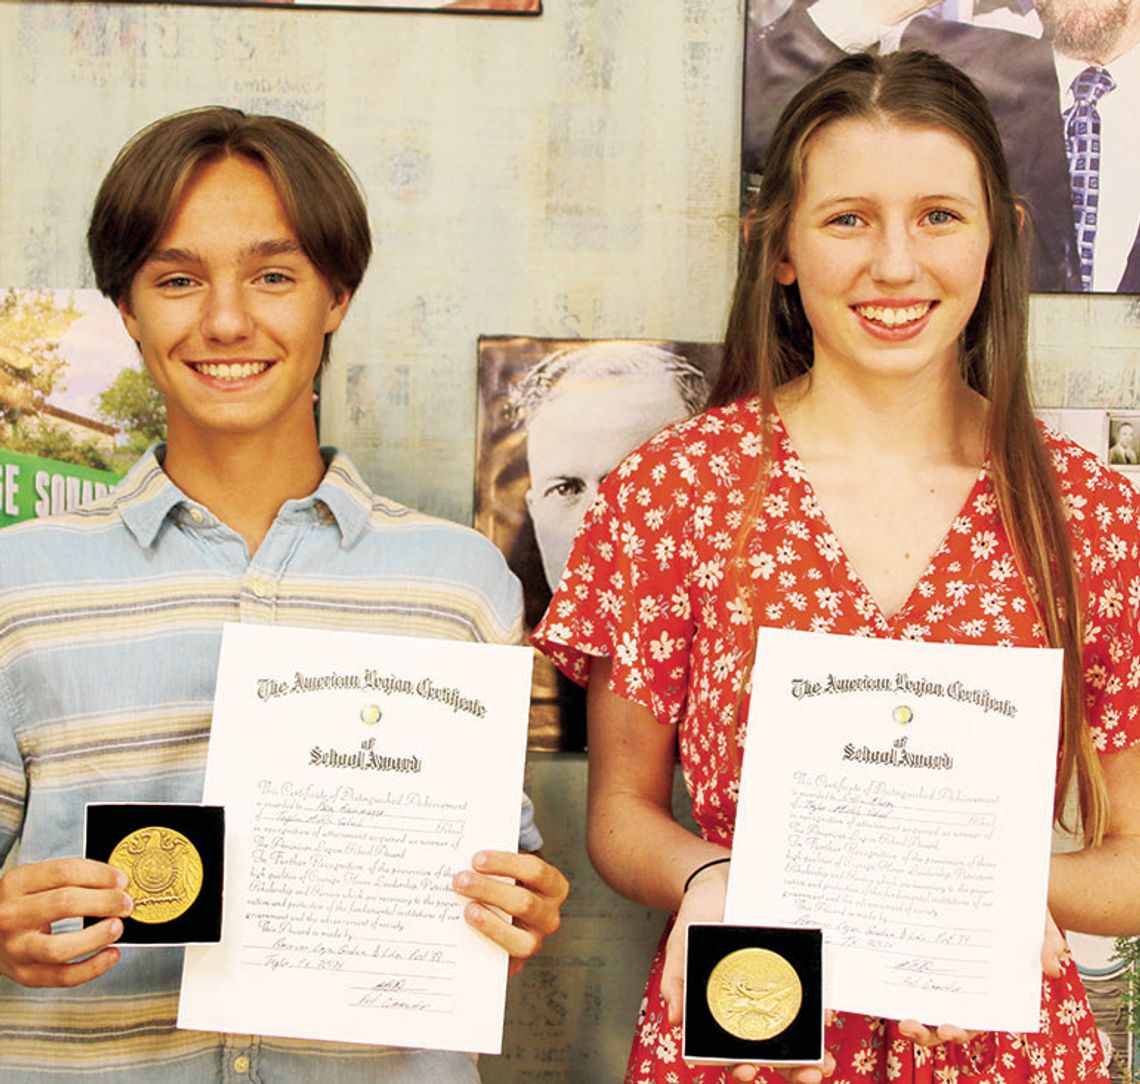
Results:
x,y
701,869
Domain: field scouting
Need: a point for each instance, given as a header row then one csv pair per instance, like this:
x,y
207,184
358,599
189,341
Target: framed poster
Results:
x,y
555,416
76,407
456,7
1029,59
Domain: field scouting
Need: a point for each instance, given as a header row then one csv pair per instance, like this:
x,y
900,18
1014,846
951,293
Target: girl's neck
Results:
x,y
941,421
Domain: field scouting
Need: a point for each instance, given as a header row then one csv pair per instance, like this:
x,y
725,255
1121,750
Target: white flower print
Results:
x,y
740,613
1111,602
763,565
629,465
828,546
983,545
631,543
709,573
687,662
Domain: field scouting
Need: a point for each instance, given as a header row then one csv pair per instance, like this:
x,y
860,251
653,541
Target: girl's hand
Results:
x,y
928,1035
1054,954
704,902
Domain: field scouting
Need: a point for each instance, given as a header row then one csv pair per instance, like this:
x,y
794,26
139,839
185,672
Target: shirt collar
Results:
x,y
1125,72
146,496
345,494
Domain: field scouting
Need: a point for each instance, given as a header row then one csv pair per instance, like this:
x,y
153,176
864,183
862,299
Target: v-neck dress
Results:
x,y
659,582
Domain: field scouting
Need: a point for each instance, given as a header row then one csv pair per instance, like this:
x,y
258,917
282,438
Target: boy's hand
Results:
x,y
533,903
34,896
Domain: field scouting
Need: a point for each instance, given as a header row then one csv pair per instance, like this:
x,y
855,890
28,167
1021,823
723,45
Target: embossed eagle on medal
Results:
x,y
164,872
754,993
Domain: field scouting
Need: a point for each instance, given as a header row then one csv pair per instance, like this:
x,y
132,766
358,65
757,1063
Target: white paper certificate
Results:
x,y
359,772
899,795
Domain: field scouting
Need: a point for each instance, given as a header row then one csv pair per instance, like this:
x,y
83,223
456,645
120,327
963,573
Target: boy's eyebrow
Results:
x,y
173,255
281,246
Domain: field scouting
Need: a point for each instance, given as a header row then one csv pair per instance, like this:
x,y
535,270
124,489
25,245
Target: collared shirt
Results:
x,y
110,625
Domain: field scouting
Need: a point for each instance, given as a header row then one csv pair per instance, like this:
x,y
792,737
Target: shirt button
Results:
x,y
261,589
197,515
241,1064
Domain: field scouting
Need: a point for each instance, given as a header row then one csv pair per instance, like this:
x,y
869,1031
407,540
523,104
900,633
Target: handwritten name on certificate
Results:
x,y
359,772
899,795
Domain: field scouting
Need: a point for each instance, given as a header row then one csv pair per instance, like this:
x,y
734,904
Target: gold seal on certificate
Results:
x,y
754,993
164,872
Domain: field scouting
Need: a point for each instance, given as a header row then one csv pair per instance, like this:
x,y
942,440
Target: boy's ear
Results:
x,y
128,317
337,310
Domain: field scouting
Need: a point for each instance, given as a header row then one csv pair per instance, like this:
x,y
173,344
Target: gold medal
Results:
x,y
164,871
754,993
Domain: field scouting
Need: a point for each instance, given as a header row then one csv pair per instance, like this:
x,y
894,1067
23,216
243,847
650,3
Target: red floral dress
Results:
x,y
657,580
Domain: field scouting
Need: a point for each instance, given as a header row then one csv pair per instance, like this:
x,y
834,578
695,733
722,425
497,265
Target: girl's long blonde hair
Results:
x,y
769,342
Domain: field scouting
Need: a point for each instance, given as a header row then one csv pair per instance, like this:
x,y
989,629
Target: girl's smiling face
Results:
x,y
888,243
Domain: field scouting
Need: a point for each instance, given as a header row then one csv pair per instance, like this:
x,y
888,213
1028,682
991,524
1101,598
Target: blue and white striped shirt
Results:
x,y
110,624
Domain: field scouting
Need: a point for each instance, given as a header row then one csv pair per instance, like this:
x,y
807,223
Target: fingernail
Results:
x,y
464,879
116,929
480,860
121,879
128,905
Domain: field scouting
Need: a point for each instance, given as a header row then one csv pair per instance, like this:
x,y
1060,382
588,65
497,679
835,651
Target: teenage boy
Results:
x,y
232,246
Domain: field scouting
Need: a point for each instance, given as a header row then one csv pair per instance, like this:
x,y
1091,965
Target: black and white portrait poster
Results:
x,y
1053,70
556,416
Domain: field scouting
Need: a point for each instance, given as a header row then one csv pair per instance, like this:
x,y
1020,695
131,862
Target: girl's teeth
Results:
x,y
893,317
230,371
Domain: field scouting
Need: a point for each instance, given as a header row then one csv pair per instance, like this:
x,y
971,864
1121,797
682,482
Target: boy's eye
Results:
x,y
565,488
177,282
275,278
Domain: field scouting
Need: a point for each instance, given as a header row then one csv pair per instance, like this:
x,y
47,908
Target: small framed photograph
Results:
x,y
1124,440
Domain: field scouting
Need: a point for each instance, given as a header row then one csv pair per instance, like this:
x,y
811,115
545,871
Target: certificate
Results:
x,y
358,772
899,795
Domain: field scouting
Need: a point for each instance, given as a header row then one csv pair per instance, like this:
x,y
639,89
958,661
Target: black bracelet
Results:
x,y
701,869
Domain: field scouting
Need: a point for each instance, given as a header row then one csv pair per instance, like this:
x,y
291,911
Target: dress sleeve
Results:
x,y
625,593
1111,558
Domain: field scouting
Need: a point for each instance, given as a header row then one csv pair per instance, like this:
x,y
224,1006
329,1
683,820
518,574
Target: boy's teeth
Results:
x,y
893,317
231,370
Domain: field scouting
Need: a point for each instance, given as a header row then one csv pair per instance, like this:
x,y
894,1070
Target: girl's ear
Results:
x,y
785,272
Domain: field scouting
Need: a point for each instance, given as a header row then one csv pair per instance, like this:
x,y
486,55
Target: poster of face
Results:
x,y
1046,67
459,7
76,407
556,416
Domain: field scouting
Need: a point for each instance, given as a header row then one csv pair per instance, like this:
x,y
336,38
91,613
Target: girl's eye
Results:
x,y
941,217
848,218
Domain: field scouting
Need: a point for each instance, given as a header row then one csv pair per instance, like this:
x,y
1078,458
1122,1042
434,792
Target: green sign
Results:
x,y
31,487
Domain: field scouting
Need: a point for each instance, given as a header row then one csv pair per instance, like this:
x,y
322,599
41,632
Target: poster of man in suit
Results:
x,y
1043,66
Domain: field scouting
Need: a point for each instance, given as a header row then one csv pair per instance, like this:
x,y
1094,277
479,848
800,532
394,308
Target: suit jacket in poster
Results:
x,y
1018,76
